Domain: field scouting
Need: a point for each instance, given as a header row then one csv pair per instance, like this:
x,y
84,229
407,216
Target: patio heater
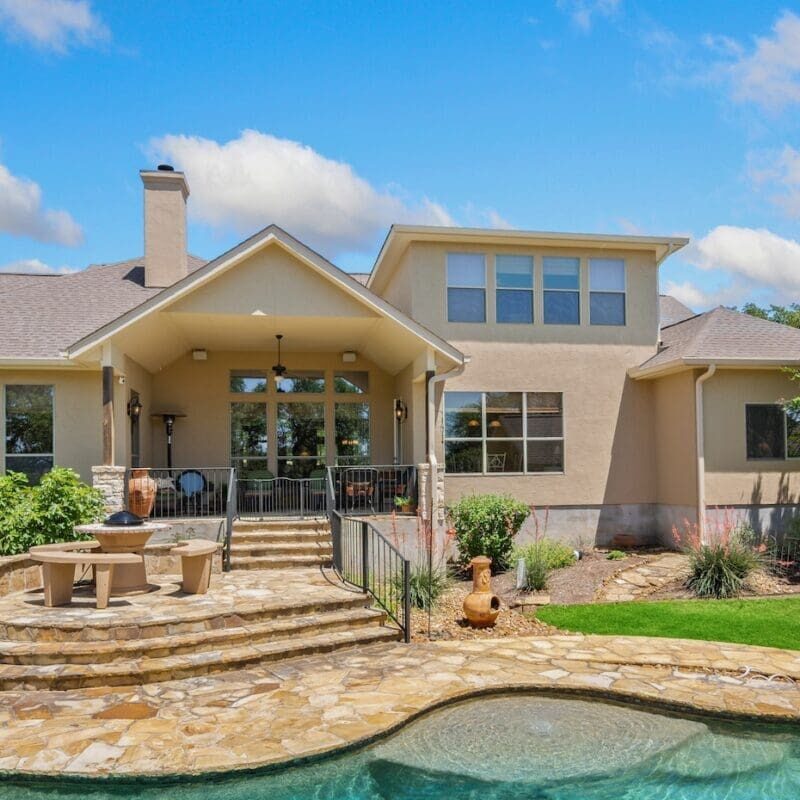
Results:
x,y
168,418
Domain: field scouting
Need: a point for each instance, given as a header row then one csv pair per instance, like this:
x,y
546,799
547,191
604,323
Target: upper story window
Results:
x,y
29,430
514,288
466,287
772,432
562,290
606,291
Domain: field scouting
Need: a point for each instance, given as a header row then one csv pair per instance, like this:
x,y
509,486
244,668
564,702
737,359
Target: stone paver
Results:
x,y
309,706
644,579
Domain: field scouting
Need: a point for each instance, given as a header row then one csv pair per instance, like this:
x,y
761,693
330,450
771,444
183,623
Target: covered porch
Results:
x,y
196,391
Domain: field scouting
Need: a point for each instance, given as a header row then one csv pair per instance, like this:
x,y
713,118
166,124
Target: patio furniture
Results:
x,y
58,572
196,556
131,575
359,488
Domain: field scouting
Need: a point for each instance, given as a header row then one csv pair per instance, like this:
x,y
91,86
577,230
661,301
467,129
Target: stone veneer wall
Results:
x,y
110,481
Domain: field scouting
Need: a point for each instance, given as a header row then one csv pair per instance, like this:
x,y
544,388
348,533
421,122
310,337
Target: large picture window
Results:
x,y
352,433
772,432
606,291
249,439
301,439
29,430
562,290
503,432
466,287
514,293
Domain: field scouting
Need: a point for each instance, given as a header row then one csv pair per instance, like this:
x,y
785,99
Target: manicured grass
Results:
x,y
767,622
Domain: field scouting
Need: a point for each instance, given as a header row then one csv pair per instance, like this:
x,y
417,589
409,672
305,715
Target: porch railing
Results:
x,y
371,489
281,497
185,492
364,558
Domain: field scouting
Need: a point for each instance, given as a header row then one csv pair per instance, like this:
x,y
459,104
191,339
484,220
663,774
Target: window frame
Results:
x,y
236,461
498,288
578,291
4,425
624,294
448,286
524,439
786,456
352,400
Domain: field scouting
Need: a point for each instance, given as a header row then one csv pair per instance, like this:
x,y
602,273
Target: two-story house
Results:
x,y
543,365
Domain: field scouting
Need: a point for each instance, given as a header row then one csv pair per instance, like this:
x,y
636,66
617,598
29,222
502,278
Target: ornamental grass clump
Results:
x,y
721,559
485,525
542,556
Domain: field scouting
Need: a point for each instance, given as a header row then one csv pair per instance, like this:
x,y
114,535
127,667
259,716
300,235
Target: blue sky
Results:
x,y
336,119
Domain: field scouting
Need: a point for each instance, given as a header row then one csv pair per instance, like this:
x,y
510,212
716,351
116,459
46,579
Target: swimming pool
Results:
x,y
524,747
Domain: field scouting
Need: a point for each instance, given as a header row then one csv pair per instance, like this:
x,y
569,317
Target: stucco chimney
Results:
x,y
165,193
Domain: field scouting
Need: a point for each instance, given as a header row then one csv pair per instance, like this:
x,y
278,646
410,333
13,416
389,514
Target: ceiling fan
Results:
x,y
279,369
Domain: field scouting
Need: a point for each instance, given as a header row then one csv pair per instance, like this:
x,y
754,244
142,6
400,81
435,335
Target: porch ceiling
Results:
x,y
159,339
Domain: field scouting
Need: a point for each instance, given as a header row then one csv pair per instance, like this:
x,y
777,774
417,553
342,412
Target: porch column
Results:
x,y
108,416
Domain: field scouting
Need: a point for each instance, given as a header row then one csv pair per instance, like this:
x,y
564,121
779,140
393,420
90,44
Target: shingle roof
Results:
x,y
671,310
725,335
40,316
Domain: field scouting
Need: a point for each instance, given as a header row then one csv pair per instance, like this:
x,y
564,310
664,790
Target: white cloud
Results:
x,y
583,12
249,182
747,264
21,213
52,24
769,76
779,173
32,266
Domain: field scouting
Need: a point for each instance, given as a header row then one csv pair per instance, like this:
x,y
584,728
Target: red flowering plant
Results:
x,y
721,554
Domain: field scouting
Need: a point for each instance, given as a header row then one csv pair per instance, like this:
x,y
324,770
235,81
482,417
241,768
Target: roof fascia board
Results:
x,y
727,362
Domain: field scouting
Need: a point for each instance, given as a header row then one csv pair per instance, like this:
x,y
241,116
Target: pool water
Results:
x,y
513,747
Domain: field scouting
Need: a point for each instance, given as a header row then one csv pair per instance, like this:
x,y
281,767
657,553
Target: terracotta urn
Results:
x,y
481,607
141,492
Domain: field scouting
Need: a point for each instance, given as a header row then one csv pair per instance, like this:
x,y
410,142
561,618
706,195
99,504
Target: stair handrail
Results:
x,y
230,516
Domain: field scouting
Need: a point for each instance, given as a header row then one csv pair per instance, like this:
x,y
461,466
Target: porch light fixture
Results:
x,y
279,369
400,410
135,408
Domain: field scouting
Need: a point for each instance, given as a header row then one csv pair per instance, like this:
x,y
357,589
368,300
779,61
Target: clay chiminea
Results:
x,y
141,492
481,607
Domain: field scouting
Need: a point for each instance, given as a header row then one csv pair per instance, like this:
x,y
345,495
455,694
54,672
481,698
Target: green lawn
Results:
x,y
771,623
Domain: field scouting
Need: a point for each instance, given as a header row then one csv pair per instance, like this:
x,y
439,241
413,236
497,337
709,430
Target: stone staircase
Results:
x,y
280,543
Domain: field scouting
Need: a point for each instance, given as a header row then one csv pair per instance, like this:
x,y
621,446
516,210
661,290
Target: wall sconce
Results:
x,y
135,408
400,410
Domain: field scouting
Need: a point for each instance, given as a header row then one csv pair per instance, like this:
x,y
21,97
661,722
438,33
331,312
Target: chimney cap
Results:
x,y
166,168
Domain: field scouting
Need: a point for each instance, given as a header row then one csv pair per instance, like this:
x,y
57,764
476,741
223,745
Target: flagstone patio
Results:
x,y
277,712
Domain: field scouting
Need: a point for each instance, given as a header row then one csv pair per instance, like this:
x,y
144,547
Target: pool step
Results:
x,y
175,667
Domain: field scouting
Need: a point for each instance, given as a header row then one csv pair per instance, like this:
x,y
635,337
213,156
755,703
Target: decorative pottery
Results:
x,y
141,492
481,607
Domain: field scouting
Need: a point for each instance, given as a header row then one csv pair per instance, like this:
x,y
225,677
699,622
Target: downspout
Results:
x,y
432,381
701,458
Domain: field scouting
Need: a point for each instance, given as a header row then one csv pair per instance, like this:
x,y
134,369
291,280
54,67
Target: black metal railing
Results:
x,y
374,489
230,516
281,497
364,558
180,492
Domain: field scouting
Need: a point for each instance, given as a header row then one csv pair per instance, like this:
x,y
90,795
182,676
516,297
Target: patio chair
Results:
x,y
359,488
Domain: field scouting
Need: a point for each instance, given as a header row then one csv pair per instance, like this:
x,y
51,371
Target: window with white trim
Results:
x,y
606,291
561,279
466,287
772,432
514,293
503,432
29,429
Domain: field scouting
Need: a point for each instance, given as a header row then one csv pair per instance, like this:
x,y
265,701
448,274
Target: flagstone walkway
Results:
x,y
281,711
642,580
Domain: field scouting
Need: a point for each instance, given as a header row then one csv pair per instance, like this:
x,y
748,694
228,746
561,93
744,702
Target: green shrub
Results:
x,y
541,557
485,525
49,512
719,569
427,585
615,555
